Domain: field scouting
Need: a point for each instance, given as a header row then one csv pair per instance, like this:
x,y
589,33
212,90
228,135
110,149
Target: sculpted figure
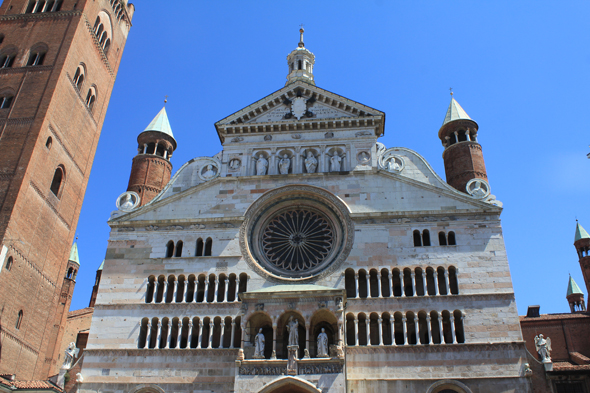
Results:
x,y
310,162
543,347
259,345
393,165
209,172
284,165
70,353
477,190
292,327
323,344
335,162
261,165
127,202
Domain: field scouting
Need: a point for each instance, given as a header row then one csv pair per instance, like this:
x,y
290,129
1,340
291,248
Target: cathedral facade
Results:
x,y
306,256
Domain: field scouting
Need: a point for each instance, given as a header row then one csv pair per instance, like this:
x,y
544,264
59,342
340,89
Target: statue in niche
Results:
x,y
70,354
259,345
543,347
208,173
393,164
261,165
336,162
323,344
311,163
284,164
127,202
292,328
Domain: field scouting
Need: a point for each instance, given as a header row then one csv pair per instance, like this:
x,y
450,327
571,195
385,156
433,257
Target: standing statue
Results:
x,y
292,327
323,344
261,165
284,164
335,162
70,354
259,345
543,347
311,163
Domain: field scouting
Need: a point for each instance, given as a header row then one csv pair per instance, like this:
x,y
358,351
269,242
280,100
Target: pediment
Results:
x,y
301,103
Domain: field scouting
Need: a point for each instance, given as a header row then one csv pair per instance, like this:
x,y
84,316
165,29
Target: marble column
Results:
x,y
356,330
356,278
447,287
379,294
189,338
175,292
413,280
424,283
368,328
392,323
199,334
435,279
390,280
428,329
148,335
169,341
307,338
404,328
216,293
233,334
440,328
206,294
274,339
380,325
237,289
367,279
222,334
165,290
225,298
156,284
159,335
452,323
211,326
402,283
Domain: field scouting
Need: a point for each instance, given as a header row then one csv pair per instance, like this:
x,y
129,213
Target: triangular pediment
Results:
x,y
300,102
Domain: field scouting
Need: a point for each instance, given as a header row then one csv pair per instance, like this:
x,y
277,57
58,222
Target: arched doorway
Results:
x,y
290,385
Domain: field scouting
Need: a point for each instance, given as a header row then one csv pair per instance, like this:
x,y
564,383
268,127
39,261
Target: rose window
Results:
x,y
297,240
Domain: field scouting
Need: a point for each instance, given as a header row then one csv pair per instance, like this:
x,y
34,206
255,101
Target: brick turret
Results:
x,y
463,156
96,285
151,168
582,244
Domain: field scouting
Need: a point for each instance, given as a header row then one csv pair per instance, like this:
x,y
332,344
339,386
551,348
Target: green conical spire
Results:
x,y
573,288
581,232
74,254
160,123
101,265
455,112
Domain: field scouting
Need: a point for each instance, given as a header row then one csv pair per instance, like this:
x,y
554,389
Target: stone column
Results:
x,y
457,278
424,283
216,293
367,279
159,335
402,283
243,334
440,328
237,289
428,329
274,341
189,338
233,334
199,334
156,148
356,331
390,279
156,284
307,337
196,290
165,290
452,323
413,276
368,328
435,279
392,322
144,145
222,334
380,324
379,294
225,299
448,288
404,327
148,335
356,281
211,326
206,294
175,292
169,341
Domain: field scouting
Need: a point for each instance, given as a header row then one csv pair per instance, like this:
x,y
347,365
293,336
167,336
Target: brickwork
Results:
x,y
149,175
36,226
463,162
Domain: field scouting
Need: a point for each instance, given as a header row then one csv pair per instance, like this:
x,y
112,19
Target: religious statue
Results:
x,y
543,347
209,172
335,162
261,165
323,344
311,163
259,345
70,354
292,327
393,165
363,157
127,202
284,164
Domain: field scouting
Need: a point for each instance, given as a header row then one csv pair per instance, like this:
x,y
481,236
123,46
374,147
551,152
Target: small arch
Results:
x,y
373,283
221,288
143,331
374,328
385,283
169,249
58,179
180,289
205,332
411,328
70,273
231,290
190,288
19,320
169,289
9,263
151,285
399,328
161,289
430,285
7,56
299,65
362,333
195,333
397,283
448,386
420,290
350,330
350,283
174,332
442,239
386,327
423,328
164,332
178,252
452,241
417,239
79,76
453,281
435,327
208,247
201,280
6,100
199,251
48,143
407,284
459,333
442,285
362,281
153,334
243,287
36,57
446,323
238,332
426,238
184,332
91,98
290,384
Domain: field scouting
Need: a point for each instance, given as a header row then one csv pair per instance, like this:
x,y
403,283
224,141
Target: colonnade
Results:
x,y
196,289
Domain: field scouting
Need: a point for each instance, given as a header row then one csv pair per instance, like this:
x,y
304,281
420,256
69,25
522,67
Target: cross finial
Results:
x,y
165,99
301,45
451,90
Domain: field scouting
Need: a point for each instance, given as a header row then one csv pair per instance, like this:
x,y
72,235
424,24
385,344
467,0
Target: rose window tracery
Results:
x,y
297,240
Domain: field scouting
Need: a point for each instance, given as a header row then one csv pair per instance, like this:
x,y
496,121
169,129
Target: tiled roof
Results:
x,y
567,366
15,385
548,317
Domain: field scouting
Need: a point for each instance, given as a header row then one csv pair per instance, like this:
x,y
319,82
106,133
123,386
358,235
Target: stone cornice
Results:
x,y
435,348
41,15
169,309
161,352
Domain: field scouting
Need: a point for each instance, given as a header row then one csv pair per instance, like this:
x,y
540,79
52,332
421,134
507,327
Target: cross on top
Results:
x,y
451,90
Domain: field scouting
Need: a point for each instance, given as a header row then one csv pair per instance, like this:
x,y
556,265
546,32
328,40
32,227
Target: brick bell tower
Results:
x,y
58,64
463,156
582,244
151,168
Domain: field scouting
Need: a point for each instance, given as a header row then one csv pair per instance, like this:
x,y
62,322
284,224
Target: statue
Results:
x,y
311,163
543,347
335,162
284,164
127,202
292,327
393,165
234,164
209,172
261,165
323,344
259,345
79,378
71,353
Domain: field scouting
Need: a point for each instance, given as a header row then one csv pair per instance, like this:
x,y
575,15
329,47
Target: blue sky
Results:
x,y
520,69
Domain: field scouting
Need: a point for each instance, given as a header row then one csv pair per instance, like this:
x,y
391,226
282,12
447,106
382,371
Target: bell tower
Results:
x,y
463,156
300,63
151,168
582,244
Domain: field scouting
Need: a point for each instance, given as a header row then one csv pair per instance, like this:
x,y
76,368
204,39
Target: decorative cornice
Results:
x,y
80,97
41,15
54,133
49,204
201,310
23,121
22,70
103,56
16,251
435,348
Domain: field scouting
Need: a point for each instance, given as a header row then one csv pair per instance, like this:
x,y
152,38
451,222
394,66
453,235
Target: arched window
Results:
x,y
459,334
299,64
58,178
169,249
417,239
1,38
19,320
396,282
452,241
434,324
208,246
178,249
7,57
79,77
9,263
149,295
243,287
363,284
48,143
350,283
153,334
6,101
96,24
70,273
91,98
107,45
426,237
453,282
199,252
143,332
442,239
36,58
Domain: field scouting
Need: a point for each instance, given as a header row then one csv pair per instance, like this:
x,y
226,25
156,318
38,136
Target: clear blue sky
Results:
x,y
520,69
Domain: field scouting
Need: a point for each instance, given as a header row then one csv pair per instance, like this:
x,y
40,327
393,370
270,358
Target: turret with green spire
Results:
x,y
575,296
73,262
582,244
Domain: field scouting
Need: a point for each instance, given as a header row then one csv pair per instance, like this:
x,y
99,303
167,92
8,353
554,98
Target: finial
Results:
x,y
301,31
451,90
165,100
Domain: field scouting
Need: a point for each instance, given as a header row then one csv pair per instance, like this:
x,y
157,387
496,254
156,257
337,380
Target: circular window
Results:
x,y
296,233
